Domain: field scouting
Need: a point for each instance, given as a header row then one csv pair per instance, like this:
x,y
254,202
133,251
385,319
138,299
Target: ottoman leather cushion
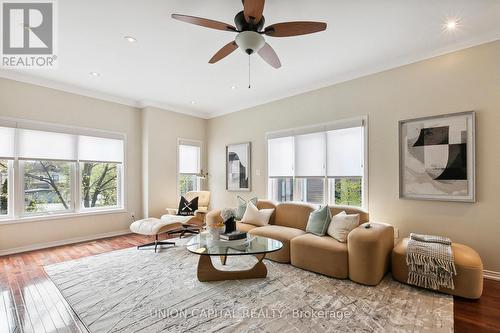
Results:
x,y
153,226
469,279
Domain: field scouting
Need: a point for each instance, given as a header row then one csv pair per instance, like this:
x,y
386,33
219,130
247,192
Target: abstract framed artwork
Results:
x,y
238,172
437,158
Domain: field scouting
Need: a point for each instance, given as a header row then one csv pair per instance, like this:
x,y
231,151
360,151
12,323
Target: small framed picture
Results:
x,y
238,172
437,158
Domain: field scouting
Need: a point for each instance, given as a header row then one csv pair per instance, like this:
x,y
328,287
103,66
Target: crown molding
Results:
x,y
207,114
73,89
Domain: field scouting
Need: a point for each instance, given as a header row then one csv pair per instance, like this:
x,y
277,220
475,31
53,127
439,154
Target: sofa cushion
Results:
x,y
341,225
318,221
293,215
363,215
257,217
242,206
267,204
321,254
244,227
283,234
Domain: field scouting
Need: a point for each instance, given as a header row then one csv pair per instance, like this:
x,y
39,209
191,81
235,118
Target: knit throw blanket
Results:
x,y
430,262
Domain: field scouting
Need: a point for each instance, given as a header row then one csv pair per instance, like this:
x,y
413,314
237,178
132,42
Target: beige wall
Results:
x,y
161,130
461,81
29,102
146,192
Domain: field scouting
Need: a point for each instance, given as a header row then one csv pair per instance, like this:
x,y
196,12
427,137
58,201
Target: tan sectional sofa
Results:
x,y
365,258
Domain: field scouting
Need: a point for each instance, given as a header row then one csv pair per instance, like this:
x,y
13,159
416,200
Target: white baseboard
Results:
x,y
62,242
491,275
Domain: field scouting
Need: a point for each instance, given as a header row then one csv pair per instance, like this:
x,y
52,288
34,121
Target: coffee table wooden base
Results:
x,y
207,271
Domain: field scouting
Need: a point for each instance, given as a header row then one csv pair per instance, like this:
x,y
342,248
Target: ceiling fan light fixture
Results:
x,y
250,41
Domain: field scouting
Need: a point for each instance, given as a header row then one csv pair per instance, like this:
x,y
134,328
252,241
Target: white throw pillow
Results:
x,y
342,224
255,216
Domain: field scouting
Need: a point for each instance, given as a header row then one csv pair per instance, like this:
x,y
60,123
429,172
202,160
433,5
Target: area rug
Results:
x,y
141,291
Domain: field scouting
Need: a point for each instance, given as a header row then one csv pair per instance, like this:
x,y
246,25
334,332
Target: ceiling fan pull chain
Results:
x,y
249,85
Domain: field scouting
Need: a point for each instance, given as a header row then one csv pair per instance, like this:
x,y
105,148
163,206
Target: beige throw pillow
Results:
x,y
342,224
255,216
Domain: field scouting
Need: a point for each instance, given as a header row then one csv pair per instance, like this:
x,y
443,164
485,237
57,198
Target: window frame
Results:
x,y
188,142
22,195
16,207
10,189
363,120
120,190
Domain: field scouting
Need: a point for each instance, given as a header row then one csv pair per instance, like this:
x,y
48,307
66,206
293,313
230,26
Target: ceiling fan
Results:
x,y
250,28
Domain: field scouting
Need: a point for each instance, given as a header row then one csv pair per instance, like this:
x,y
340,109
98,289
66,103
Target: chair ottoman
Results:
x,y
154,227
469,279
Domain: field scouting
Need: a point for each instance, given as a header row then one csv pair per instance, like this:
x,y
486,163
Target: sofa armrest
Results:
x,y
369,251
213,217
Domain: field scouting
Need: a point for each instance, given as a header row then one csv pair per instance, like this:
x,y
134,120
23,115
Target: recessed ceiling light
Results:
x,y
130,39
95,74
193,102
451,24
233,88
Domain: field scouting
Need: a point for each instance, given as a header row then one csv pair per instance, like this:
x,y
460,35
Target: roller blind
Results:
x,y
46,145
7,136
310,155
189,159
94,149
280,157
345,152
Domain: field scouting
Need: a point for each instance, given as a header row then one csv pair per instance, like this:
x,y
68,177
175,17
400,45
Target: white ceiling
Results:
x,y
168,66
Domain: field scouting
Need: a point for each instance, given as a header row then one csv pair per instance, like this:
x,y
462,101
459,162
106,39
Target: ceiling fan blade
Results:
x,y
253,10
204,22
224,52
267,53
288,29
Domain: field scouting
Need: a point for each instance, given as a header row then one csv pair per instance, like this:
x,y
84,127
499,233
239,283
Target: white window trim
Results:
x,y
10,190
344,123
16,212
188,142
119,200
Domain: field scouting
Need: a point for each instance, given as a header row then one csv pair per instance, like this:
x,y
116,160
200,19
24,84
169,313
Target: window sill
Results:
x,y
39,218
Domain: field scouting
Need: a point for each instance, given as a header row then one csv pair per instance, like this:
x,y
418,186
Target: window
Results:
x,y
4,187
345,191
321,164
6,155
189,161
47,186
101,165
100,185
281,189
58,172
310,190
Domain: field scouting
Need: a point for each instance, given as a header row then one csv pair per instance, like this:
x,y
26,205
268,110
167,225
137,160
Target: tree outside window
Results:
x,y
100,184
4,189
47,186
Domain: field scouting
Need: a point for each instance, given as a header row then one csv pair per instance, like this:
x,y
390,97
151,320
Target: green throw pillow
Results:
x,y
242,206
318,221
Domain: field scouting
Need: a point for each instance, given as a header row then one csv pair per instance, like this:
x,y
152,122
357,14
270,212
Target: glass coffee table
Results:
x,y
258,246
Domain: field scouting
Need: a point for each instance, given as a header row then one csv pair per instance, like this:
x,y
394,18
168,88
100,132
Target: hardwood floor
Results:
x,y
30,302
